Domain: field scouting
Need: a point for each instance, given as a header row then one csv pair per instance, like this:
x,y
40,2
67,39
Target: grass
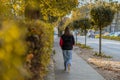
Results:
x,y
83,46
111,38
102,55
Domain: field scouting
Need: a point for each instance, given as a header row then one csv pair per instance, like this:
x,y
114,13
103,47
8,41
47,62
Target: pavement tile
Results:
x,y
80,70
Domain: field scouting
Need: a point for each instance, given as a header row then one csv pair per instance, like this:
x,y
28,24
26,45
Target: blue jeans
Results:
x,y
67,56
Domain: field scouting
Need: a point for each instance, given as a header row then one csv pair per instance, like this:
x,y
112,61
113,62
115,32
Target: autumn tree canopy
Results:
x,y
49,10
102,16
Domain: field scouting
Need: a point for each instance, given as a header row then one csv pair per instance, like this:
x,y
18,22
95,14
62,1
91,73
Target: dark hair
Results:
x,y
67,31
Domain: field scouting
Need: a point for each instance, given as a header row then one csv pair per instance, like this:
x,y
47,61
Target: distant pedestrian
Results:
x,y
66,42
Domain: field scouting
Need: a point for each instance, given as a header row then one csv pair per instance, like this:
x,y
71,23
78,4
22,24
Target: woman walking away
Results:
x,y
66,43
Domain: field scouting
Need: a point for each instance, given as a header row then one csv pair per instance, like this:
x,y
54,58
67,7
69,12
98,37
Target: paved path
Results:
x,y
80,70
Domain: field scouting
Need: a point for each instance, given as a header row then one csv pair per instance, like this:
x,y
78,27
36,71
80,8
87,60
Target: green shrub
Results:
x,y
102,55
83,46
12,51
42,53
111,37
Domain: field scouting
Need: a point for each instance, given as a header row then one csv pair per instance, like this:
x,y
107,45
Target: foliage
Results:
x,y
63,23
39,51
115,6
102,55
83,23
4,11
47,11
79,13
102,16
111,37
18,7
50,10
83,46
12,50
75,24
82,10
42,48
12,8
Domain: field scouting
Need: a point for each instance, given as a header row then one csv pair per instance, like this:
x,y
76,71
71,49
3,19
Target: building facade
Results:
x,y
115,25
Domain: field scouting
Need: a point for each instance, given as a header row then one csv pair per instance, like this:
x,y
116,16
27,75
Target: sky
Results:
x,y
114,0
99,0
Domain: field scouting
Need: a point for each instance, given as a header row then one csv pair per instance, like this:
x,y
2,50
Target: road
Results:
x,y
109,47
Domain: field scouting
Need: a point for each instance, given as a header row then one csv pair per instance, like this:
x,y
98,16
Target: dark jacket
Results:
x,y
67,42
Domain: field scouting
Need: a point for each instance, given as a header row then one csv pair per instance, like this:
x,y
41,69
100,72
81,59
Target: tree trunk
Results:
x,y
110,29
100,40
76,37
85,36
58,32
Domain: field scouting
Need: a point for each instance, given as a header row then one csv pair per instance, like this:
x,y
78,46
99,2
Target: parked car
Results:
x,y
119,35
106,34
111,34
116,33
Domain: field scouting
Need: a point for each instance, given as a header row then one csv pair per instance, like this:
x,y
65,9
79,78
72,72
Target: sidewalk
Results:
x,y
80,70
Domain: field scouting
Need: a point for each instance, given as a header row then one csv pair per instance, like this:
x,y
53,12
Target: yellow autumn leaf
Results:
x,y
2,54
19,48
14,32
8,48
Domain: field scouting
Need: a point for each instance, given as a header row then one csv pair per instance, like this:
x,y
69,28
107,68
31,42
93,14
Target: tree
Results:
x,y
50,10
12,50
62,25
102,16
75,25
80,12
6,10
11,55
12,8
45,11
83,24
17,7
